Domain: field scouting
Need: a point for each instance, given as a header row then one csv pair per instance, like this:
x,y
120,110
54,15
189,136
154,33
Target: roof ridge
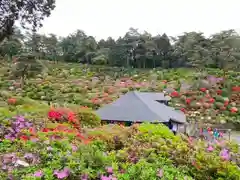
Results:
x,y
148,107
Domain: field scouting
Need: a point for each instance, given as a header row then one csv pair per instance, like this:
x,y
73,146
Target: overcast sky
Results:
x,y
104,18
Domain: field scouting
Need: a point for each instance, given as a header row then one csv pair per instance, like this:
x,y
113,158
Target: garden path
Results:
x,y
235,135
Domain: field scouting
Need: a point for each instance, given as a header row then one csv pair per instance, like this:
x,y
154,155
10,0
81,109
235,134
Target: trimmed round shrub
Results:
x,y
87,117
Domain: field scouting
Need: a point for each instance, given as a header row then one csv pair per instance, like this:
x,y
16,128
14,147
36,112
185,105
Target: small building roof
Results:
x,y
140,106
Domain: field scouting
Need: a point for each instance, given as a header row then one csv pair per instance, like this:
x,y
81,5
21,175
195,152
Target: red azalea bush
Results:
x,y
11,101
77,117
56,131
174,94
236,88
61,131
203,89
62,114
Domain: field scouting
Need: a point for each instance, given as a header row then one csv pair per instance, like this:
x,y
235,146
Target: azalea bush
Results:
x,y
141,151
114,135
77,116
63,114
13,128
87,117
200,161
51,159
35,147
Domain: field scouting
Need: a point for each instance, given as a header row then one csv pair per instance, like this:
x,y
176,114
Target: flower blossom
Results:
x,y
109,170
202,89
38,173
11,100
210,148
224,154
62,173
174,93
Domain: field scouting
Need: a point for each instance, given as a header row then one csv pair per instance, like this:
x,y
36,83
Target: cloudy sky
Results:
x,y
104,18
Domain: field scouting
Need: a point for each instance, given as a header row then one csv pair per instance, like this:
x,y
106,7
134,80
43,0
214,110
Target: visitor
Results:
x,y
174,128
220,135
170,126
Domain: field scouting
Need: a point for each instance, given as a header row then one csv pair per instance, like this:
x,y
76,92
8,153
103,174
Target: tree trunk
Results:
x,y
9,57
224,73
127,62
225,64
22,82
23,74
144,63
6,28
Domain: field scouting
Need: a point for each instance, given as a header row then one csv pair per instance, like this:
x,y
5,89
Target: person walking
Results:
x,y
170,126
174,128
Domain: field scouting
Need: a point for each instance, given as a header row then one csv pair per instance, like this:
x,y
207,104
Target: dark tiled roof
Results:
x,y
140,106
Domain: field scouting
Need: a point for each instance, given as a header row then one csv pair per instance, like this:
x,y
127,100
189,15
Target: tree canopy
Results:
x,y
134,49
27,12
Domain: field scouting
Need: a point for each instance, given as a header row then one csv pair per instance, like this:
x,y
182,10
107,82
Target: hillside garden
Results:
x,y
49,129
50,87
